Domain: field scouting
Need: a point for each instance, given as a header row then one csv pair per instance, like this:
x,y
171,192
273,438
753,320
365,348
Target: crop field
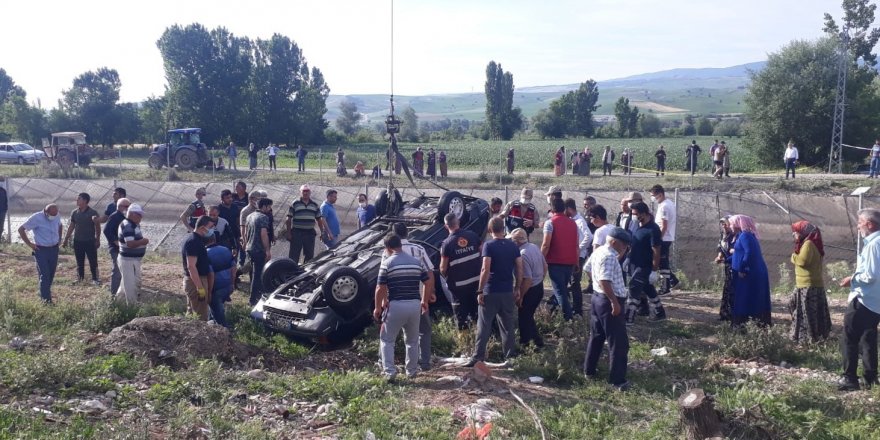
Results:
x,y
531,155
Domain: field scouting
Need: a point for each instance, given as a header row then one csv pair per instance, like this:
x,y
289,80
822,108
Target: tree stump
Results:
x,y
698,415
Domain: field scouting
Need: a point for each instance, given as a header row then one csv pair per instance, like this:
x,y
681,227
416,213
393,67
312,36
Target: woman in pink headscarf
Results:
x,y
808,305
751,281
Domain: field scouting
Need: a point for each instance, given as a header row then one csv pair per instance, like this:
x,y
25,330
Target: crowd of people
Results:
x,y
495,277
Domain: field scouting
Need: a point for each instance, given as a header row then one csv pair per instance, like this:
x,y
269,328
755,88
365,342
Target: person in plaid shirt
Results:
x,y
607,318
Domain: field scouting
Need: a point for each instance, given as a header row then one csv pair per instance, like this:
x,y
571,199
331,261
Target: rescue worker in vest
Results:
x,y
195,210
521,213
460,252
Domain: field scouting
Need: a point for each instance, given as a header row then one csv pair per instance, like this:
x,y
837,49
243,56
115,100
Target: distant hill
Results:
x,y
668,93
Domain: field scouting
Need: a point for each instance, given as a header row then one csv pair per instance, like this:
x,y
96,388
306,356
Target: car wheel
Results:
x,y
186,159
381,203
154,162
66,159
277,272
454,203
344,289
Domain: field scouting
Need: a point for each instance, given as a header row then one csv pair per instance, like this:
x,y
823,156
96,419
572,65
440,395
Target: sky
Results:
x,y
438,46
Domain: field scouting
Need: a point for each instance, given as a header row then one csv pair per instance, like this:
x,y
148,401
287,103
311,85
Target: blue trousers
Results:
x,y
218,309
47,262
789,166
560,278
115,276
875,166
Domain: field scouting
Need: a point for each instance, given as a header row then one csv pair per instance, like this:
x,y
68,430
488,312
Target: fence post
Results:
x,y
672,259
8,186
320,166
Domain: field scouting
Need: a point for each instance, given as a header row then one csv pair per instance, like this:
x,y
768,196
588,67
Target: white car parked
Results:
x,y
20,153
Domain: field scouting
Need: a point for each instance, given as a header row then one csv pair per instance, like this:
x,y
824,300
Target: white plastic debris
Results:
x,y
536,379
662,351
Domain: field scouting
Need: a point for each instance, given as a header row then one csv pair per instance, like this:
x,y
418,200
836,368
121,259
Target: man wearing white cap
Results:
x,y
132,248
302,216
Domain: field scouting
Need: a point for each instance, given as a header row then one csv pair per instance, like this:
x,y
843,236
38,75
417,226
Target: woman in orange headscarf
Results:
x,y
808,305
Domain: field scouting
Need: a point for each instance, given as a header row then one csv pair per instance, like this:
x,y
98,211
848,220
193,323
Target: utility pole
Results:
x,y
835,158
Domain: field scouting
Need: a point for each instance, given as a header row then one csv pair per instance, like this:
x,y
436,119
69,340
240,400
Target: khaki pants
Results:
x,y
193,303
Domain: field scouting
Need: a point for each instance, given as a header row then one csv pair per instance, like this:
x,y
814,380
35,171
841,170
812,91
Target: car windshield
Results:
x,y
23,147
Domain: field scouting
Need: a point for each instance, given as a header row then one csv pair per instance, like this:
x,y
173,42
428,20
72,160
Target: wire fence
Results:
x,y
697,234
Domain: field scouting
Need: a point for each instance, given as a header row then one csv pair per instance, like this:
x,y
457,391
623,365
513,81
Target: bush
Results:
x,y
753,341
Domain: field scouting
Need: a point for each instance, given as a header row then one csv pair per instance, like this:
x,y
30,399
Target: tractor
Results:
x,y
182,148
68,148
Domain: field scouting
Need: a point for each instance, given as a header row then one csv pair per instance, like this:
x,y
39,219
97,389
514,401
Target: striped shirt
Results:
x,y
304,215
604,266
128,232
401,273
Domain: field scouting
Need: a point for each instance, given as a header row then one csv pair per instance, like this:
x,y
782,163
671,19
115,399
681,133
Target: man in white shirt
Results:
x,y
585,242
791,158
875,159
272,152
666,218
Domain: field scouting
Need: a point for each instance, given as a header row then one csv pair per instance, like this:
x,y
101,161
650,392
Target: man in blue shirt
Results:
x,y
300,159
46,227
111,233
498,292
365,212
863,311
328,211
223,265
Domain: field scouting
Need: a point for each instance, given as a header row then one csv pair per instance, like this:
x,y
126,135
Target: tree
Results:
x,y
20,121
549,123
704,126
8,88
570,115
275,83
348,120
91,104
152,120
310,106
792,98
727,128
858,16
627,118
649,125
502,118
409,130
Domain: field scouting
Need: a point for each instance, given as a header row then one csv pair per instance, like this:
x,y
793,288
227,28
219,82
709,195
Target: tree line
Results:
x,y
234,88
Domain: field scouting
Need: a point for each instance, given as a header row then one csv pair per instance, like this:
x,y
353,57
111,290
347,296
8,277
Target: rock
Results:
x,y
111,394
453,380
784,364
662,351
753,371
18,343
93,406
257,374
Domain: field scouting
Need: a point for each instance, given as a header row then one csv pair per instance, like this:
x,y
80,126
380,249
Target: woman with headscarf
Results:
x,y
751,281
808,305
725,246
559,162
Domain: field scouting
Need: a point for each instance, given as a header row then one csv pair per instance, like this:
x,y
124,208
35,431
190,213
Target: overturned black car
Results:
x,y
330,299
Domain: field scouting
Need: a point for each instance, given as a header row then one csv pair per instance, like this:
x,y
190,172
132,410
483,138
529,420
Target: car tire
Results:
x,y
452,201
66,159
345,289
154,162
277,272
381,203
186,159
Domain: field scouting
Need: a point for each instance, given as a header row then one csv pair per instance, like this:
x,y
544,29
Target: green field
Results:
x,y
531,155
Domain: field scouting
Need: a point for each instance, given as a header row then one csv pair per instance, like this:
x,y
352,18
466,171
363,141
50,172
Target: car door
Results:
x,y
5,154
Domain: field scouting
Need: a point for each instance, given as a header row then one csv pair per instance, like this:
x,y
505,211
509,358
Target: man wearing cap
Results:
x,y
606,311
132,248
328,213
585,245
194,210
198,279
111,233
666,219
521,213
302,216
46,227
644,262
560,248
624,217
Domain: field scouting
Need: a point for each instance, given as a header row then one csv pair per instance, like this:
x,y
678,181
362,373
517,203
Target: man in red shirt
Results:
x,y
560,249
